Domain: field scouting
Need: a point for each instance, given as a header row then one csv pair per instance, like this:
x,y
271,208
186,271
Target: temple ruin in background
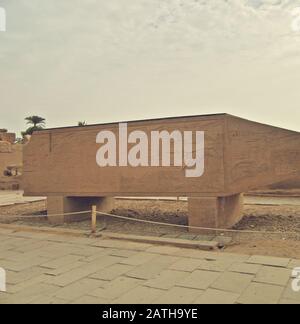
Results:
x,y
11,155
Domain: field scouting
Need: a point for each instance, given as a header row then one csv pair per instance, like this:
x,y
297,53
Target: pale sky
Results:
x,y
114,60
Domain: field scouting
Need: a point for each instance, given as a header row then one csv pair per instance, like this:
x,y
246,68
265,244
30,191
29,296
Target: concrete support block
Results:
x,y
215,212
61,205
230,210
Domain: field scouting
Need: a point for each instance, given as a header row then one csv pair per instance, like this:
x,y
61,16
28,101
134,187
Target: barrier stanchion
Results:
x,y
94,219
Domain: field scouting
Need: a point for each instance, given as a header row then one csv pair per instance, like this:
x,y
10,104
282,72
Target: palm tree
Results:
x,y
37,122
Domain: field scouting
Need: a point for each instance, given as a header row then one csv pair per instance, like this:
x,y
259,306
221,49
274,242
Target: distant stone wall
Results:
x,y
11,154
7,137
5,147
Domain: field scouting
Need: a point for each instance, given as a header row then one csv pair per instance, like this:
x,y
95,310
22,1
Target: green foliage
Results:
x,y
37,123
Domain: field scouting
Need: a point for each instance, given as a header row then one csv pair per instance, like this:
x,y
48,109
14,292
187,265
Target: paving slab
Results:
x,y
138,258
188,265
122,253
140,295
28,295
213,296
269,261
88,251
199,279
232,282
48,300
83,271
60,262
111,272
78,289
259,293
220,265
273,275
116,288
179,296
22,264
19,277
89,300
63,269
245,268
152,268
166,279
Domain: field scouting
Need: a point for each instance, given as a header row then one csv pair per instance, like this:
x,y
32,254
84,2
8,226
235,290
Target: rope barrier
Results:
x,y
151,222
194,227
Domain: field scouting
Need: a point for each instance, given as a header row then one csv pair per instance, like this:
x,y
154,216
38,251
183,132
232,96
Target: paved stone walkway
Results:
x,y
46,268
8,198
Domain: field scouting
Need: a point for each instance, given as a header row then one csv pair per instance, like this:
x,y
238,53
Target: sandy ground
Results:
x,y
279,218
